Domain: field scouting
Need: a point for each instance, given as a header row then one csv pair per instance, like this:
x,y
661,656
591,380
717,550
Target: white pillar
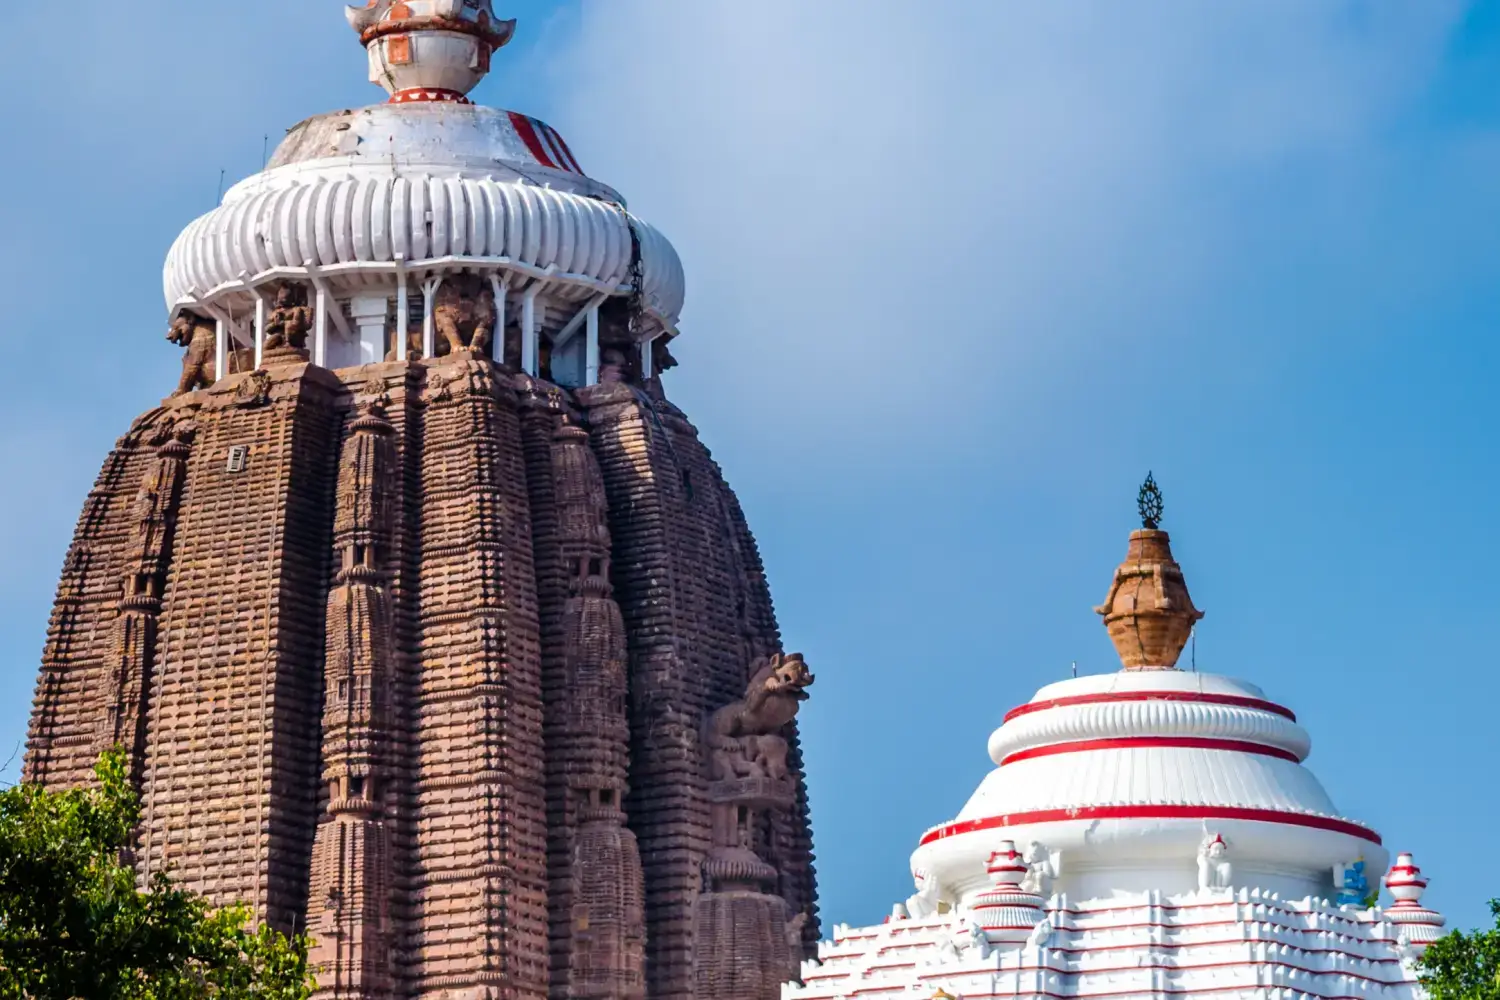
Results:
x,y
497,338
369,312
221,349
647,358
320,329
529,351
429,329
260,327
403,313
591,346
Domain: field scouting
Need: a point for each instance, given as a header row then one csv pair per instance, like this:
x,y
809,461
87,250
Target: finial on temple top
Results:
x,y
1148,612
1149,502
429,50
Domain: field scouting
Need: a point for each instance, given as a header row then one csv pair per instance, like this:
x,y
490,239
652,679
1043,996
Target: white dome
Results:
x,y
1125,774
352,192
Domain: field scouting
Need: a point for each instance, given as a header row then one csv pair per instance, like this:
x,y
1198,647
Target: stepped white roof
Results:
x,y
1144,834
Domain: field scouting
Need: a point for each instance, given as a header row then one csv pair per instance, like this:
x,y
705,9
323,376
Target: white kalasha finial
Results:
x,y
1419,925
429,50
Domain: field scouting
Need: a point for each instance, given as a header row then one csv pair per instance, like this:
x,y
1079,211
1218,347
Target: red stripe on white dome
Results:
x,y
544,144
1140,742
1127,812
1125,696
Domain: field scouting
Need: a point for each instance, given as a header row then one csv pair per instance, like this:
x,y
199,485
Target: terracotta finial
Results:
x,y
1148,611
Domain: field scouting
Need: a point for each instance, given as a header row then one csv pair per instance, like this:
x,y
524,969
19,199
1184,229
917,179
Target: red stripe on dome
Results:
x,y
1125,696
563,145
1152,812
1138,742
526,129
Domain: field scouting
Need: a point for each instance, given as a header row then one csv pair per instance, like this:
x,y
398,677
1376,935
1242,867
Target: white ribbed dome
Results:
x,y
1128,771
352,192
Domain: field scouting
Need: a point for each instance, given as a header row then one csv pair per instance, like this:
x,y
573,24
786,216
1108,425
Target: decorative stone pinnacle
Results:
x,y
429,51
1148,611
1149,502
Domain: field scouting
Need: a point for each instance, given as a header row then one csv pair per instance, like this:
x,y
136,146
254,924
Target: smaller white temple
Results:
x,y
1145,834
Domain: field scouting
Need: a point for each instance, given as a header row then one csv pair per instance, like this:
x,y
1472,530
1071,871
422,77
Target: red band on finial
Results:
x,y
428,95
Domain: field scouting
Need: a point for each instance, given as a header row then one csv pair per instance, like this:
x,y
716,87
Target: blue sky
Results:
x,y
959,274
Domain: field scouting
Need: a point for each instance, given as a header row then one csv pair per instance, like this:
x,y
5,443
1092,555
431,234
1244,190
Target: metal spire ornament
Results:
x,y
1148,501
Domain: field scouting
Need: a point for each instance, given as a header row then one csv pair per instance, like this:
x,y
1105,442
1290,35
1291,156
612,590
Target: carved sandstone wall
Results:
x,y
418,656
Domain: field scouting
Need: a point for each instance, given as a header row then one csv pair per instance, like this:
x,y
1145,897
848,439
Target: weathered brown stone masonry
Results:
x,y
466,674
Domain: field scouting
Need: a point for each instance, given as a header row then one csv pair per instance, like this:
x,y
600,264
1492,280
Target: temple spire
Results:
x,y
429,50
1148,611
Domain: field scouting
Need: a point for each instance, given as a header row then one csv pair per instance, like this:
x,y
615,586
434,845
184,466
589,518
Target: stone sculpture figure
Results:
x,y
290,318
924,903
198,335
743,736
463,314
750,787
1214,869
1042,867
1041,935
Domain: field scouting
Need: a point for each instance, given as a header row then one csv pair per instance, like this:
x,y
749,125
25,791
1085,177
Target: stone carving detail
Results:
x,y
750,785
463,314
924,902
1214,868
288,323
199,336
134,634
254,389
597,886
743,737
1042,868
348,906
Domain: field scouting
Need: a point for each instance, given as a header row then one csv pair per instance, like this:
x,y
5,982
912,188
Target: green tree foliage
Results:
x,y
1461,966
73,923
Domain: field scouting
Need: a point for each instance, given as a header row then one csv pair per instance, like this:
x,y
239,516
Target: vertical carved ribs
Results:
x,y
132,652
349,899
591,739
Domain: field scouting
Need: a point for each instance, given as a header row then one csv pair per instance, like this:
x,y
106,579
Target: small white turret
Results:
x,y
1007,912
1419,925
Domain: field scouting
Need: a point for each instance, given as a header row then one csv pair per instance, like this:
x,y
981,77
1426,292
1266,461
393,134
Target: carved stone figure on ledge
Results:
x,y
924,903
1214,868
743,737
464,314
290,319
197,334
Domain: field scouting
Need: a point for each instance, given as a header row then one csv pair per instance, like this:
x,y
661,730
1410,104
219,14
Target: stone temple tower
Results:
x,y
426,621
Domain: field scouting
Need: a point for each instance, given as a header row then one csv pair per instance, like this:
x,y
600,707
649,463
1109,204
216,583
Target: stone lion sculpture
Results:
x,y
463,314
744,736
198,335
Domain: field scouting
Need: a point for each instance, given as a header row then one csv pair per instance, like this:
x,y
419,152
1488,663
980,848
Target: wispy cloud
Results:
x,y
880,197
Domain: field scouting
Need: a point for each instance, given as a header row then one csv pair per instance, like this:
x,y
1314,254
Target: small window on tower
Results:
x,y
606,796
239,458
